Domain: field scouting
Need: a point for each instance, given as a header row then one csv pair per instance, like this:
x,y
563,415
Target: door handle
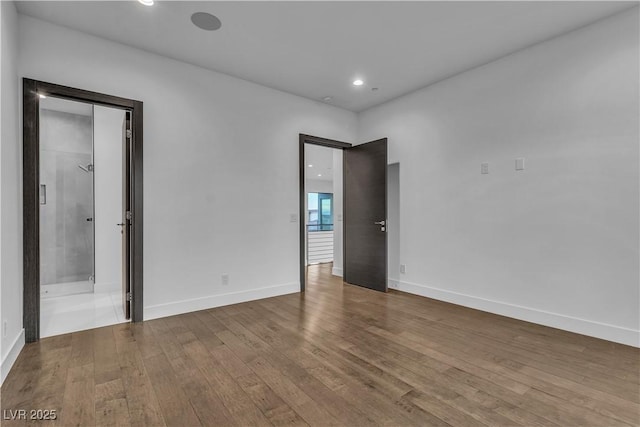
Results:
x,y
380,223
43,194
121,225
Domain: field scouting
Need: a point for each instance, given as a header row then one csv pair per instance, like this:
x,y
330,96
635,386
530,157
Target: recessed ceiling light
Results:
x,y
146,2
310,166
319,174
206,21
358,82
42,96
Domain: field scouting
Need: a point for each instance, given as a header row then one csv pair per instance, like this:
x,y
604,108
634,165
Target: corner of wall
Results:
x,y
590,328
220,300
12,356
12,339
510,222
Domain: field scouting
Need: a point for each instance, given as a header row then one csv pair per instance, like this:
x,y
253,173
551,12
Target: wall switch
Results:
x,y
403,269
339,217
293,217
4,329
225,279
484,168
520,164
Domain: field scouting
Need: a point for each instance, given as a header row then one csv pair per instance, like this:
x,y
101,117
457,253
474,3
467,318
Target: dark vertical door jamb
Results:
x,y
136,238
302,216
31,210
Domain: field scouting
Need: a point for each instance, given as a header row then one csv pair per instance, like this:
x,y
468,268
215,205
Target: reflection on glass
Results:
x,y
320,212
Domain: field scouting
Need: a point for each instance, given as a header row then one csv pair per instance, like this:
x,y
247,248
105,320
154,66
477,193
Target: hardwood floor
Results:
x,y
337,355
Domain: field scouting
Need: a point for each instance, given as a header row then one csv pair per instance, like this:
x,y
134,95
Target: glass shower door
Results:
x,y
66,197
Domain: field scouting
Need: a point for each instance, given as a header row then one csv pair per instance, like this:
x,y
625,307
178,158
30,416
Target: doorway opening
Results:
x,y
82,183
343,210
321,227
320,223
323,216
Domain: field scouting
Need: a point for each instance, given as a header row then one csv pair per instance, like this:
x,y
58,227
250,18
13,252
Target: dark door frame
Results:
x,y
32,89
315,140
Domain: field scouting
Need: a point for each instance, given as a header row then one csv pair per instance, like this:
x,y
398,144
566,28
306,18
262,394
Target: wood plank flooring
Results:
x,y
338,355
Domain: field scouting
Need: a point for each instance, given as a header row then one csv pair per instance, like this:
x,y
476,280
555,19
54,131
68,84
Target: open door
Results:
x,y
365,215
126,215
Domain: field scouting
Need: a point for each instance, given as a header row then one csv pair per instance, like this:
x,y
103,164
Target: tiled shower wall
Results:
x,y
66,235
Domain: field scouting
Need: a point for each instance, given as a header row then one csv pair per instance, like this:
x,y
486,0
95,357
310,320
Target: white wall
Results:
x,y
2,53
215,148
318,186
556,243
107,154
11,341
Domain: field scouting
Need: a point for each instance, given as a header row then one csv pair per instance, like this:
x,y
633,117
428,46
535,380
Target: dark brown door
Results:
x,y
365,215
126,215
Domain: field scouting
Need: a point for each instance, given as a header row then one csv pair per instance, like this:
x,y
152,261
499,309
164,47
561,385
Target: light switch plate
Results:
x,y
293,218
484,168
520,164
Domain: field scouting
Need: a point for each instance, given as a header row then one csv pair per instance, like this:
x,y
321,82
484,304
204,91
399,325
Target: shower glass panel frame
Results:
x,y
67,197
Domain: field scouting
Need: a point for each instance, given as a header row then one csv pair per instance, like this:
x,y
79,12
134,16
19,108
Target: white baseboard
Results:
x,y
12,356
54,290
568,323
336,271
107,287
212,301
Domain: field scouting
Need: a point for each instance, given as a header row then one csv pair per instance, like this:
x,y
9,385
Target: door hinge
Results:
x,y
129,215
129,134
129,296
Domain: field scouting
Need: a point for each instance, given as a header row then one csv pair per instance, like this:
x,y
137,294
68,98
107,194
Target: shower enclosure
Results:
x,y
66,197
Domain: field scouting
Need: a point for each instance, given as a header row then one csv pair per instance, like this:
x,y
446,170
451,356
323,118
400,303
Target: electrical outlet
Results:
x,y
403,269
393,284
4,329
520,164
293,217
225,279
484,168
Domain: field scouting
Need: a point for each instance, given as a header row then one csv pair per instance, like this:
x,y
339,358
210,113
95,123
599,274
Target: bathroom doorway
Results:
x,y
82,184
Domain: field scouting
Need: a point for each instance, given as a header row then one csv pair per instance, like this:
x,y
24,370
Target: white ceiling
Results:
x,y
315,49
66,106
321,159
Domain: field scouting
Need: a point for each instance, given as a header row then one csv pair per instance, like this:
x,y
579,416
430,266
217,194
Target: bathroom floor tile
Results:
x,y
72,313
